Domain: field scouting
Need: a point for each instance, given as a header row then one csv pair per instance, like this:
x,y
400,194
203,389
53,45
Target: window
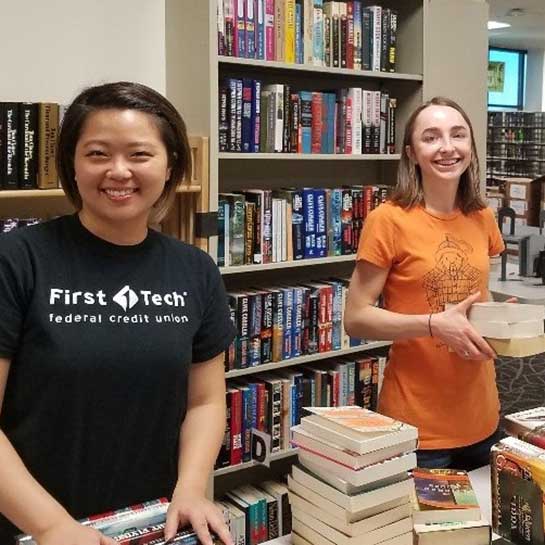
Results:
x,y
506,78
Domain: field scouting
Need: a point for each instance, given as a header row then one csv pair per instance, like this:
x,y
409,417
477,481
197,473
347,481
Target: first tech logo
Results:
x,y
126,298
95,307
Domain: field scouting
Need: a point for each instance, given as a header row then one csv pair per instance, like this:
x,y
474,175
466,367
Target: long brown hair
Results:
x,y
409,192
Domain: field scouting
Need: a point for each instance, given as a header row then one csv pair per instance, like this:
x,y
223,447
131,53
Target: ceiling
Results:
x,y
527,30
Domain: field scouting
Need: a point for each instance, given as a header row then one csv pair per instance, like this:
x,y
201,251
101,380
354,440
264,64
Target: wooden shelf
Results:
x,y
305,359
59,193
287,264
245,465
311,156
358,74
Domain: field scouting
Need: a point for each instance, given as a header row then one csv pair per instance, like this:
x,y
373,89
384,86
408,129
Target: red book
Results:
x,y
316,127
350,34
236,426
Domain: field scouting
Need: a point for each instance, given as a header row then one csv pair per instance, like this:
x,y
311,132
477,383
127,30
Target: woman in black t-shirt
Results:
x,y
112,336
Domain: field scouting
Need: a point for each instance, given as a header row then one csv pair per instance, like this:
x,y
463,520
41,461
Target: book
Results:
x,y
362,443
473,532
320,465
315,530
518,481
508,312
306,441
443,495
356,528
375,498
507,330
404,539
528,425
518,348
353,420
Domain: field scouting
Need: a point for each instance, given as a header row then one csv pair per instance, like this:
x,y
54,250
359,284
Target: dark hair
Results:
x,y
124,95
408,191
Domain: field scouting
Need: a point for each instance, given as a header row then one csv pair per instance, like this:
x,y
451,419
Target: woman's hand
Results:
x,y
453,328
192,508
71,532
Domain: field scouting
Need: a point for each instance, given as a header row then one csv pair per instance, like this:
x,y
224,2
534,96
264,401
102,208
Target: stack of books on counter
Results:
x,y
511,329
446,510
141,524
518,486
528,425
351,483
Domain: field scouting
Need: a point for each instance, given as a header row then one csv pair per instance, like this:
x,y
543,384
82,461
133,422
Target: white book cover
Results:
x,y
355,94
509,330
393,466
507,312
356,528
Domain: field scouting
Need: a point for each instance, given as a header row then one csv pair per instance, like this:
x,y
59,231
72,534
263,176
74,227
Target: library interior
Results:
x,y
353,252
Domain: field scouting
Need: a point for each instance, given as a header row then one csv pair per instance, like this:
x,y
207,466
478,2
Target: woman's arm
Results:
x,y
28,505
364,320
201,435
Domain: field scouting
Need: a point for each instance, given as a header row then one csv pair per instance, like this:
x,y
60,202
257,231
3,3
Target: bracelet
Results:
x,y
429,324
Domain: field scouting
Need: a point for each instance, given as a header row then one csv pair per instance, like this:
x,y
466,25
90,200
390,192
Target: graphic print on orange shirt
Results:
x,y
453,278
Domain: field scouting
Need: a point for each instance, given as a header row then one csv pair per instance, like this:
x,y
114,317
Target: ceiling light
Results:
x,y
495,25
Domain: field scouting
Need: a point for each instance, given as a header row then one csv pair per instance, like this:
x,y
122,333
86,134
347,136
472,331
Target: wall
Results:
x,y
456,59
52,49
535,81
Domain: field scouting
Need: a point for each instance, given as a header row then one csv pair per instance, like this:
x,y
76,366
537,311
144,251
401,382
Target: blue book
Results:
x,y
299,54
250,29
241,27
260,29
255,140
297,221
246,432
288,323
306,121
297,322
309,222
320,219
318,32
221,232
247,129
335,247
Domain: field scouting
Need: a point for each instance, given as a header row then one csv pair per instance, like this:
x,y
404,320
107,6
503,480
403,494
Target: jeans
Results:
x,y
469,457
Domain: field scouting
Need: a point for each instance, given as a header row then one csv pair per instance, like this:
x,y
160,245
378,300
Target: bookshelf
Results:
x,y
428,33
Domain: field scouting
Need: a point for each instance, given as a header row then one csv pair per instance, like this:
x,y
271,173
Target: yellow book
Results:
x,y
289,33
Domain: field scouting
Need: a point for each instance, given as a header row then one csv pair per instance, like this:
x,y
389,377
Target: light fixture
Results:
x,y
495,25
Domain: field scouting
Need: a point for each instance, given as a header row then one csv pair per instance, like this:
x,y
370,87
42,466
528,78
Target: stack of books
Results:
x,y
528,425
518,484
446,510
511,329
351,483
141,524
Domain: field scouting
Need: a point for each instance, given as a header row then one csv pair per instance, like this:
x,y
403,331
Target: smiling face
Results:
x,y
440,144
121,166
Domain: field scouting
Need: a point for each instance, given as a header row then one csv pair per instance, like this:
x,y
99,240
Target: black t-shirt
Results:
x,y
101,338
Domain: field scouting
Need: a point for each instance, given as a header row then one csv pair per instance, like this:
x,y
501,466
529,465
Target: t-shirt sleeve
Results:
x,y
495,240
377,240
14,288
216,330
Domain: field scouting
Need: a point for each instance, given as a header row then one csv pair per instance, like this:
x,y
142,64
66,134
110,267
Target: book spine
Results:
x,y
270,51
240,43
317,33
289,31
299,53
366,49
236,427
316,128
286,126
279,29
236,229
288,323
255,318
267,226
247,132
357,10
350,34
306,121
223,121
309,213
220,20
346,221
48,124
260,29
256,116
376,36
320,222
392,43
295,114
229,25
224,455
12,146
278,325
250,29
267,328
384,39
28,145
297,320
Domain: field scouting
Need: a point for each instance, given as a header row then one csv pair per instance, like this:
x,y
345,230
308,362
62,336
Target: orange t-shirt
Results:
x,y
434,259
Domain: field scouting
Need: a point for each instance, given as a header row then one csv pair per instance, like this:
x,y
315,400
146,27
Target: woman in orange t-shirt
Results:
x,y
428,246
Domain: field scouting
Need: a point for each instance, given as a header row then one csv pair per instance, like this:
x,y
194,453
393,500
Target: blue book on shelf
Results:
x,y
260,29
320,222
309,222
297,321
241,27
247,130
255,116
298,33
306,121
288,323
250,29
298,228
335,220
